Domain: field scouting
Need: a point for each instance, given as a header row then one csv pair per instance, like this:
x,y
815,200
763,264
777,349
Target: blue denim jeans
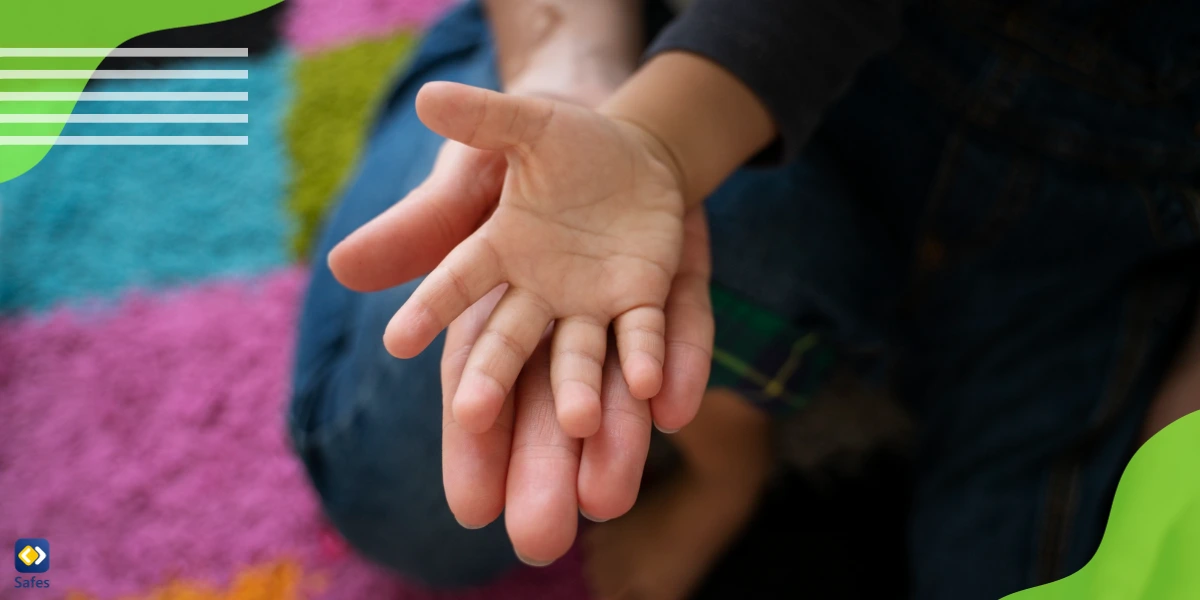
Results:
x,y
1015,247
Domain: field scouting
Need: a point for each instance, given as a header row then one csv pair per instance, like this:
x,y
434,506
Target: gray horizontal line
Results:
x,y
128,140
125,96
125,118
127,52
125,74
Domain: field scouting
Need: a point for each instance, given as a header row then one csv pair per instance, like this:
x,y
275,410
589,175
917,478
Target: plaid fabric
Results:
x,y
763,356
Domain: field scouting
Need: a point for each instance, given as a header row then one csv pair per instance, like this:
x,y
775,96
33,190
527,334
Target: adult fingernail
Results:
x,y
666,431
533,563
465,526
590,517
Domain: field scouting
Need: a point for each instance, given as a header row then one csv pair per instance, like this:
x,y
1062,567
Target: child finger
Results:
x,y
511,334
641,347
460,338
468,273
482,118
577,357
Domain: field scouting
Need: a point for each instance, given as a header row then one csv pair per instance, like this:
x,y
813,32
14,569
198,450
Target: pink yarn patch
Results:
x,y
312,25
146,441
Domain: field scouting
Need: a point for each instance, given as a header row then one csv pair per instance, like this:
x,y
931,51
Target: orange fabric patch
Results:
x,y
279,581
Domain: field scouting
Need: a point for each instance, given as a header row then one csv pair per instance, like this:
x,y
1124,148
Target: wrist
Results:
x,y
585,90
579,78
703,117
566,47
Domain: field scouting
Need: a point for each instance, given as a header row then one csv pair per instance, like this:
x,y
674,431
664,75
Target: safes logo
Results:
x,y
31,555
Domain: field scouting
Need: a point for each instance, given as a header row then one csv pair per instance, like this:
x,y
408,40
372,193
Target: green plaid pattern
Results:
x,y
763,356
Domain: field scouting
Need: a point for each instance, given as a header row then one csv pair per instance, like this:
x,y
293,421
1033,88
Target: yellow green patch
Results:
x,y
337,93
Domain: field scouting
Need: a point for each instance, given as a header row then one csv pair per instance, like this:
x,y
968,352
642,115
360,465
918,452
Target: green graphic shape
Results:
x,y
81,24
1151,548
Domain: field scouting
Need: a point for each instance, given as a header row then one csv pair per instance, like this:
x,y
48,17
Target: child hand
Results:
x,y
536,472
588,232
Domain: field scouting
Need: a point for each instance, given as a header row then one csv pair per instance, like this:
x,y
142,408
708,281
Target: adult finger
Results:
x,y
474,465
541,511
689,331
414,235
610,469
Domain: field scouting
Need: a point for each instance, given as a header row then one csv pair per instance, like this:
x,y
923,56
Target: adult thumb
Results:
x,y
482,118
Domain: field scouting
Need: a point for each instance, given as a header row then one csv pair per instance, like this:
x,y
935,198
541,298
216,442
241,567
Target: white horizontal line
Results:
x,y
127,52
125,118
129,74
126,140
125,96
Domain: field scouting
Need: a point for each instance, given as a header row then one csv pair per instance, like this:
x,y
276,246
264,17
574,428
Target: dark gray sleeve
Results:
x,y
797,56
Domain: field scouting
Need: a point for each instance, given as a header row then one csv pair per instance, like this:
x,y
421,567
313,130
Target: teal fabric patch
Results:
x,y
91,221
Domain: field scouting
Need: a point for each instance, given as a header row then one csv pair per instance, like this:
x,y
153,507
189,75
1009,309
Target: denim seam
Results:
x,y
1062,502
1153,218
1052,540
1189,197
939,190
929,253
313,434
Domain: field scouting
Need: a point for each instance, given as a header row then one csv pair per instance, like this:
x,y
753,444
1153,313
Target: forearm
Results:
x,y
796,57
566,44
709,122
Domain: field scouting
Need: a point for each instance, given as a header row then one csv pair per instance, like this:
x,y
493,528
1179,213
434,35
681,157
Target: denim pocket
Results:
x,y
981,192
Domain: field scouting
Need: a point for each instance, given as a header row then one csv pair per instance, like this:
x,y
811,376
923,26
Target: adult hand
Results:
x,y
526,461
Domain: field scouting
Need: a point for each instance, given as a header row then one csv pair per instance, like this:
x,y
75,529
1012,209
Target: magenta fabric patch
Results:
x,y
317,24
146,441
